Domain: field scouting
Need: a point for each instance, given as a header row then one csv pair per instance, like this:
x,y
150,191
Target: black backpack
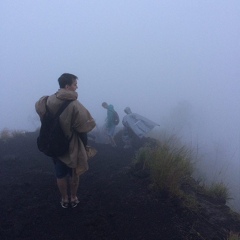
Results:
x,y
115,118
52,140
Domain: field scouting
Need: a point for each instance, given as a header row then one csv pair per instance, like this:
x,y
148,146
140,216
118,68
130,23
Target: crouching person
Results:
x,y
136,127
75,121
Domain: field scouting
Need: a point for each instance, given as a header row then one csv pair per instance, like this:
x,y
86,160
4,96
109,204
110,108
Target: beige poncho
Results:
x,y
74,119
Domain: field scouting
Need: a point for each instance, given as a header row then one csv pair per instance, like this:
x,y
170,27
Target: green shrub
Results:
x,y
169,164
218,191
142,157
170,168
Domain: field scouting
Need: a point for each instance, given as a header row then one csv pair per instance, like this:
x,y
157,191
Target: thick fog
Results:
x,y
175,62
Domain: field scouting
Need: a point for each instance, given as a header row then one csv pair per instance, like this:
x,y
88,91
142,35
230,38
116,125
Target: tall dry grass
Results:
x,y
172,164
169,164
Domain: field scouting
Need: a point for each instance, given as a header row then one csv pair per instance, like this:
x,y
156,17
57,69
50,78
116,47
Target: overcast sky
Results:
x,y
175,62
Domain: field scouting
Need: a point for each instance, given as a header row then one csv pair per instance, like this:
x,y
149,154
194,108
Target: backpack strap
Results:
x,y
61,109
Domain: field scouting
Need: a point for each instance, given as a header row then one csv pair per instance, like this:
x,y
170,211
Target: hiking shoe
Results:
x,y
74,203
64,204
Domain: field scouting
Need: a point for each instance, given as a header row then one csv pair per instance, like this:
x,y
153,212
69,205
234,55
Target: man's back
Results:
x,y
75,121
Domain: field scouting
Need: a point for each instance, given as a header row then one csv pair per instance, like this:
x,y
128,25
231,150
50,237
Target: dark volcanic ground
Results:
x,y
114,204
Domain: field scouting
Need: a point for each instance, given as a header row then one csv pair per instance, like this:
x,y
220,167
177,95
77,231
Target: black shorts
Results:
x,y
61,169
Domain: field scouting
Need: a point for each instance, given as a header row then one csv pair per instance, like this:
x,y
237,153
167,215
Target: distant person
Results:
x,y
75,121
135,127
109,123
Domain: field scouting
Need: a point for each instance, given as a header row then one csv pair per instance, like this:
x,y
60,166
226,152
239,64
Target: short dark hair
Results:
x,y
66,79
104,104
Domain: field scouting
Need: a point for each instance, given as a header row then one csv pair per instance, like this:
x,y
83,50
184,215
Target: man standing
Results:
x,y
110,125
75,121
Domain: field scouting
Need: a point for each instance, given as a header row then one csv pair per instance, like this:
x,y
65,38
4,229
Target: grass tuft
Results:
x,y
218,191
169,164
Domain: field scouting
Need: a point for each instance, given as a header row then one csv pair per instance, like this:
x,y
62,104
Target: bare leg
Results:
x,y
62,186
74,183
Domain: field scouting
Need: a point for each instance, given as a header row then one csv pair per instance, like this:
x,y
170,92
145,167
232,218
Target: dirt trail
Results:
x,y
114,204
